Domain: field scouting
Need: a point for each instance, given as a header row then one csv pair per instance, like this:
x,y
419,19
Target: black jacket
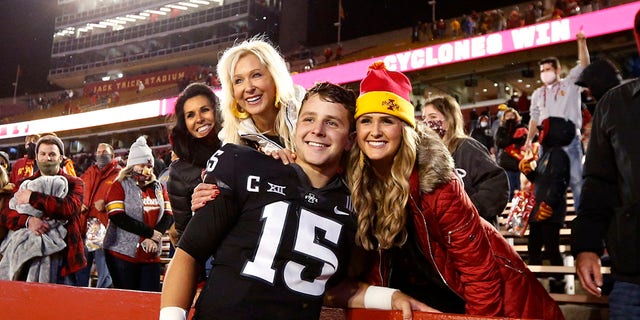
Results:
x,y
183,178
504,139
550,182
610,203
484,181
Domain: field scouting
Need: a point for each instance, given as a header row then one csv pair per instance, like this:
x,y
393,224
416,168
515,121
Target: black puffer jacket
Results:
x,y
506,142
610,204
550,181
183,178
484,181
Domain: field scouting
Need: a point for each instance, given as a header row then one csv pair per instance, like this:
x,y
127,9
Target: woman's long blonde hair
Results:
x,y
286,95
380,201
450,108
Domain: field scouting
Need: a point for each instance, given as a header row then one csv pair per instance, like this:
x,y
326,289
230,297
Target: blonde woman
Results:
x,y
259,101
425,235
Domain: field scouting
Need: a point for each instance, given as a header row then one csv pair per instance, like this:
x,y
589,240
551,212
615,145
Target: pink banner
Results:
x,y
546,33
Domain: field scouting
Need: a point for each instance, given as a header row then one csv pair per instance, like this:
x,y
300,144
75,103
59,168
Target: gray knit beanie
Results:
x,y
50,139
140,153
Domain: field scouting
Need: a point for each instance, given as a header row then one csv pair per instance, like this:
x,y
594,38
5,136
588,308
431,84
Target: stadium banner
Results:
x,y
150,80
547,33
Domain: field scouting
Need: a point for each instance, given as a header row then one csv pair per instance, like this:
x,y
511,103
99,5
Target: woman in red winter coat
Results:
x,y
430,241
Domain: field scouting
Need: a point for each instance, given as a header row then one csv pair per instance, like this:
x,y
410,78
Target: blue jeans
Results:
x,y
624,301
574,151
57,262
514,182
134,276
104,278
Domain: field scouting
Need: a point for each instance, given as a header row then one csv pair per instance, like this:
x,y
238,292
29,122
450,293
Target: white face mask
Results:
x,y
548,77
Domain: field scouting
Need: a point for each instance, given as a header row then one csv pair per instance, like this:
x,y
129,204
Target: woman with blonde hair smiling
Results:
x,y
424,234
259,101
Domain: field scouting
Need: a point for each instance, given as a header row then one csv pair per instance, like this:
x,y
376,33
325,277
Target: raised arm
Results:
x,y
583,51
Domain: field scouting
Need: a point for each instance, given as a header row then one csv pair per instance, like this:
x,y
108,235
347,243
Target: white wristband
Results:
x,y
378,297
173,313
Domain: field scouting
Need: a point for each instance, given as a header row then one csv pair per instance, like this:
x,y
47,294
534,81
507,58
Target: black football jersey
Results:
x,y
277,242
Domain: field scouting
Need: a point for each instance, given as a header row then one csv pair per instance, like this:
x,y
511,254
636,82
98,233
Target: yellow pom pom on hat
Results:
x,y
385,91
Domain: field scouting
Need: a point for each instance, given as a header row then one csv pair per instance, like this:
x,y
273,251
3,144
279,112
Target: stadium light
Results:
x,y
175,6
202,2
126,19
156,12
139,17
188,4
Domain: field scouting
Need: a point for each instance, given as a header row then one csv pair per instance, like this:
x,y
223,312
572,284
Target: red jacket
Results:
x,y
22,168
467,252
67,208
97,183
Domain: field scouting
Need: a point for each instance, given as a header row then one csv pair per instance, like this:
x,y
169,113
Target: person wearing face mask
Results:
x,y
496,122
557,106
98,179
510,139
59,212
139,214
25,166
482,133
484,181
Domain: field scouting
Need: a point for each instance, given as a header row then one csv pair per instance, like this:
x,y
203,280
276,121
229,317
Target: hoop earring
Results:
x,y
239,113
277,104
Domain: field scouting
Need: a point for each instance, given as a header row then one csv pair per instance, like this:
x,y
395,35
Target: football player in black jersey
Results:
x,y
281,235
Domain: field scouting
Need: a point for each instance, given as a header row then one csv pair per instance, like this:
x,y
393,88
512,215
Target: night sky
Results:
x,y
25,35
26,30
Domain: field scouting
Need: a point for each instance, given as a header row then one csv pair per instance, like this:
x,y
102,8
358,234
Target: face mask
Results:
x,y
548,77
436,125
142,177
103,160
31,150
483,124
48,168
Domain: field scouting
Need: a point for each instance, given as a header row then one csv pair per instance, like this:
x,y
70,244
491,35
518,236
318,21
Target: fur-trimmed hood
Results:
x,y
435,163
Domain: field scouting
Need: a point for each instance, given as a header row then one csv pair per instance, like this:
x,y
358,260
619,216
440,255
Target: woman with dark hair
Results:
x,y
510,139
194,139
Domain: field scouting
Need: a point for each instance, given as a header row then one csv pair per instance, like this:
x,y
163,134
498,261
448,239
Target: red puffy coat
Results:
x,y
469,254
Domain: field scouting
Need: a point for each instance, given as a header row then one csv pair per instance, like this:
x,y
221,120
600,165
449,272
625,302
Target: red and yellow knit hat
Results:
x,y
385,91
